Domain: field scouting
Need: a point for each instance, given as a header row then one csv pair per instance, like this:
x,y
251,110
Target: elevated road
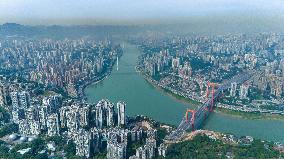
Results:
x,y
202,112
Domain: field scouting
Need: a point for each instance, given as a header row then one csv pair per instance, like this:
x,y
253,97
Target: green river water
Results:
x,y
143,99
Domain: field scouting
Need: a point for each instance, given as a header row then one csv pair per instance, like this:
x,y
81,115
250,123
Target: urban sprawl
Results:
x,y
186,66
42,91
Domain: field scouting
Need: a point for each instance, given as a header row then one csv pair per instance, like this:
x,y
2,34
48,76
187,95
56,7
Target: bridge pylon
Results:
x,y
192,119
212,86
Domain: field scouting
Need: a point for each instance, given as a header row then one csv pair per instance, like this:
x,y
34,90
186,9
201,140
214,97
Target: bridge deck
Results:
x,y
201,113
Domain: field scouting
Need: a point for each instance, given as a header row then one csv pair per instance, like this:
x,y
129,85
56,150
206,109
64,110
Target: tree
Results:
x,y
161,133
4,115
4,151
204,147
41,156
8,129
58,140
70,149
37,145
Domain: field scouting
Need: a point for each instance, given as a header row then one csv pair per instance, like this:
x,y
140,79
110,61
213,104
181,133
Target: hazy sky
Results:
x,y
44,11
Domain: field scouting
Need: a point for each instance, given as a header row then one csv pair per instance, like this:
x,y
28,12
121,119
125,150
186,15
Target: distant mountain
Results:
x,y
56,31
14,29
12,25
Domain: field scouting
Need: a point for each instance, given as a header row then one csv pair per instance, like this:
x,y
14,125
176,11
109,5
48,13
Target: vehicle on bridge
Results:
x,y
197,117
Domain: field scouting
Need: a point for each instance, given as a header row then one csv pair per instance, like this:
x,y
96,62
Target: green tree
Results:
x,y
58,140
8,129
70,149
4,115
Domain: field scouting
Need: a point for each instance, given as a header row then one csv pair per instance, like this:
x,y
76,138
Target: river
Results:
x,y
143,99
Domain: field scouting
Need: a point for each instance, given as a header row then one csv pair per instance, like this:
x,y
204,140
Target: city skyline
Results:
x,y
196,79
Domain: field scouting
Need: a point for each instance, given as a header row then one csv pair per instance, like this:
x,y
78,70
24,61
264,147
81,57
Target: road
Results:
x,y
203,111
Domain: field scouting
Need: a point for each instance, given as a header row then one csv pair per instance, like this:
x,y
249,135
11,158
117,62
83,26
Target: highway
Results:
x,y
203,111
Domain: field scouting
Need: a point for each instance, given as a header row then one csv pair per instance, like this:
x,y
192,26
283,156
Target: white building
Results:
x,y
82,139
175,63
233,90
121,113
52,103
15,100
24,127
52,125
162,150
244,91
35,128
3,94
43,117
24,99
116,150
74,117
104,113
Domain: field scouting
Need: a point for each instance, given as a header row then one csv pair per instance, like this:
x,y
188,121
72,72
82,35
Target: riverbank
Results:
x,y
253,116
143,98
244,115
167,91
94,80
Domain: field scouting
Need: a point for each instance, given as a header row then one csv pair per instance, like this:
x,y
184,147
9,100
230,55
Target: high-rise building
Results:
x,y
104,113
3,94
52,125
153,70
35,127
99,116
116,150
24,99
84,115
15,100
27,127
32,114
278,88
244,91
121,113
109,115
141,153
151,145
233,90
73,121
133,157
52,103
185,72
146,152
62,116
82,139
20,100
96,139
162,150
17,115
175,63
43,117
136,134
24,127
74,117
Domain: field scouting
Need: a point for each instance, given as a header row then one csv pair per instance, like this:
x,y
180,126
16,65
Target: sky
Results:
x,y
81,11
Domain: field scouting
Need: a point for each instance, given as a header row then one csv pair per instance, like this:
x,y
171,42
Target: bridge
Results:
x,y
194,119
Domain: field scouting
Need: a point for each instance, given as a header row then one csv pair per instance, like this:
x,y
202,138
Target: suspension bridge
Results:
x,y
194,119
